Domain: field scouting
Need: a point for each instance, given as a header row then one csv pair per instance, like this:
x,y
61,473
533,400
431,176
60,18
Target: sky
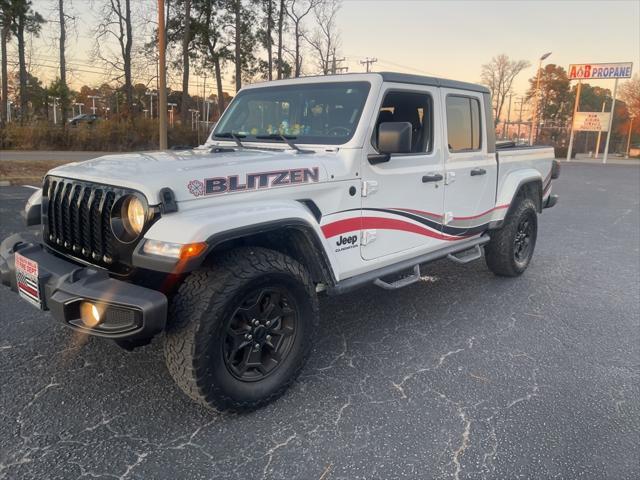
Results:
x,y
450,39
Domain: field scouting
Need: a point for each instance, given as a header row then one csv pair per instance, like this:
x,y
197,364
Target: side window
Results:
x,y
415,108
463,123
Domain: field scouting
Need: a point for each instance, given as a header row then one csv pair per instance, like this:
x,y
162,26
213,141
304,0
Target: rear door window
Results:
x,y
463,123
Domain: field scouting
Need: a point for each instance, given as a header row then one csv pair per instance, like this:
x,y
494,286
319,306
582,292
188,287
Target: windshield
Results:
x,y
321,113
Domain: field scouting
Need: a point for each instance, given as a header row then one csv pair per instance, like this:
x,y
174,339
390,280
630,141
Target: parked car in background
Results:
x,y
88,118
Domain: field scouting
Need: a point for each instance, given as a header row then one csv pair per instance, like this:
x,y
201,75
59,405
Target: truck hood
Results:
x,y
187,172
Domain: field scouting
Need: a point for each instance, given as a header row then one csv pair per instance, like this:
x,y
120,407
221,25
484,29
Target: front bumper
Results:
x,y
128,311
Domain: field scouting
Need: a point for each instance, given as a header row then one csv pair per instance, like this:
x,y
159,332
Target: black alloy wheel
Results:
x,y
522,239
260,333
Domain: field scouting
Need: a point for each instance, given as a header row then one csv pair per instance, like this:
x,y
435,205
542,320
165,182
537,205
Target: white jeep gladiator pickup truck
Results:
x,y
307,186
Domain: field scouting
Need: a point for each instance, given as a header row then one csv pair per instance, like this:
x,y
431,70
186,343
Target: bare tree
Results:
x,y
630,94
270,37
297,10
6,22
27,22
499,75
237,13
209,22
64,88
265,34
281,15
186,41
325,38
117,24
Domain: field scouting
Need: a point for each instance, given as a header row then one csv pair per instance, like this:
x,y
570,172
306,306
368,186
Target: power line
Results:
x,y
226,86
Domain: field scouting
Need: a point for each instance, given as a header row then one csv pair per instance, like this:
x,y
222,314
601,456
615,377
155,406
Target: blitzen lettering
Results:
x,y
253,181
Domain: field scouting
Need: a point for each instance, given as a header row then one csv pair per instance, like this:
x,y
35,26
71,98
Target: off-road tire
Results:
x,y
500,252
199,316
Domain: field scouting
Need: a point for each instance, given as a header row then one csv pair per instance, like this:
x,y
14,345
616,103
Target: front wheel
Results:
x,y
241,330
511,247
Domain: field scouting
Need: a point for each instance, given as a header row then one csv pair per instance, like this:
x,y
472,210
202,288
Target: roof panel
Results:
x,y
431,81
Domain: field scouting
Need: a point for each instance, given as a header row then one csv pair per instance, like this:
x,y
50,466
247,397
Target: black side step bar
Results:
x,y
351,283
467,256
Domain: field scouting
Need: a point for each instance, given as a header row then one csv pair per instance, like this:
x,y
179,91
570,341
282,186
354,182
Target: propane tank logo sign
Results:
x,y
599,71
591,121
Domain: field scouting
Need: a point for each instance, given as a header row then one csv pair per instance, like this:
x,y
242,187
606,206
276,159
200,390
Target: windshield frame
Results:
x,y
366,84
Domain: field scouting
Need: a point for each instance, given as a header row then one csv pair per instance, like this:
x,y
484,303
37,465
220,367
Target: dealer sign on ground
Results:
x,y
582,71
591,121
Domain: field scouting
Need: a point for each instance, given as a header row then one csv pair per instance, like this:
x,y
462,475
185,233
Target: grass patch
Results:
x,y
26,172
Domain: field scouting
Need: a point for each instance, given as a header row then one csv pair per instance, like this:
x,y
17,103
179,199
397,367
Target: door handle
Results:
x,y
431,177
478,171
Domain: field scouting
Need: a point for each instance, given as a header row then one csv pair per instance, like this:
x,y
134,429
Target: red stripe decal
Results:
x,y
421,212
499,207
359,223
28,289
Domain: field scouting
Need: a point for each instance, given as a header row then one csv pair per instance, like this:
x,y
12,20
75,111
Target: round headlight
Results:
x,y
134,214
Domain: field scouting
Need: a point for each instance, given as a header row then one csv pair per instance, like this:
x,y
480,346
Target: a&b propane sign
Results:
x,y
599,71
591,121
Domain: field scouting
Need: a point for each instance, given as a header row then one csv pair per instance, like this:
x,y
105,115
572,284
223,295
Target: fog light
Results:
x,y
90,315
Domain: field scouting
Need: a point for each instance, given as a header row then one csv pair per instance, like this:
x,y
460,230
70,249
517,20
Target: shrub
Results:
x,y
104,135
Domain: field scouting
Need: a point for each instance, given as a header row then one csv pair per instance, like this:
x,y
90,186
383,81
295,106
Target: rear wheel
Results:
x,y
241,331
511,247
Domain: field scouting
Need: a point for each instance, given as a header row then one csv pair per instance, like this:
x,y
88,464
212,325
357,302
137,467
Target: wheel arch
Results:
x,y
293,237
522,184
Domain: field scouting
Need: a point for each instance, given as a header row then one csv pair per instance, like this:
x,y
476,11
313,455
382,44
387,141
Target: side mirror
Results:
x,y
393,137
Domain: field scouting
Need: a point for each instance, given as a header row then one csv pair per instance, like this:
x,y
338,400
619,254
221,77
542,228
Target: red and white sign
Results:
x,y
599,71
591,121
27,280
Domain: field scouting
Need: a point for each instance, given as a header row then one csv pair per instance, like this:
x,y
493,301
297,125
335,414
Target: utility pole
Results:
x,y
334,63
368,62
162,78
505,134
521,102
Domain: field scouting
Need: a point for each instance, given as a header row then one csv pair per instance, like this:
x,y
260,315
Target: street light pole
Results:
x,y
171,105
599,135
613,108
93,99
535,112
55,116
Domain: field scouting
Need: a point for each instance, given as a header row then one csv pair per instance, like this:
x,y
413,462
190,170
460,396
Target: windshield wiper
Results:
x,y
235,136
286,139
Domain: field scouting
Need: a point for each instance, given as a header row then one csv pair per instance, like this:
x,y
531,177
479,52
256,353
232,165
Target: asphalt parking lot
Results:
x,y
463,376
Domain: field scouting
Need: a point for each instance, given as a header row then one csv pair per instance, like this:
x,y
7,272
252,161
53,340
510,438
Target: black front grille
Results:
x,y
76,218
